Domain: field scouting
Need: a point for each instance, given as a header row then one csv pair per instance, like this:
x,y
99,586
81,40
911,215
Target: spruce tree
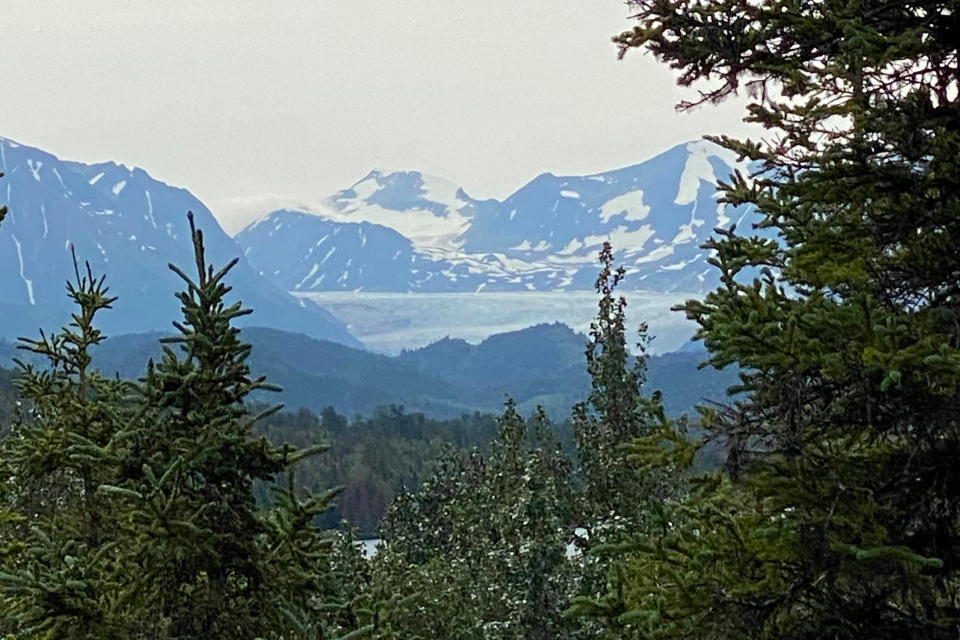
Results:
x,y
127,510
60,563
210,562
838,515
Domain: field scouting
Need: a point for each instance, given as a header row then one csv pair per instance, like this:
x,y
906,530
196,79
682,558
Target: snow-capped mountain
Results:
x,y
129,226
544,237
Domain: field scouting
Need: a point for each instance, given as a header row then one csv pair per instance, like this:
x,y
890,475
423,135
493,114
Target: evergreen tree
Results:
x,y
60,561
210,563
838,516
128,510
618,501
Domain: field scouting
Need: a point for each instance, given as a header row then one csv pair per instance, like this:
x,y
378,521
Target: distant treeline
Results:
x,y
371,457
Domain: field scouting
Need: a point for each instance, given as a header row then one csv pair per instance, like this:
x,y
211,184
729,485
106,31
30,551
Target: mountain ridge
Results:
x,y
539,365
542,237
129,226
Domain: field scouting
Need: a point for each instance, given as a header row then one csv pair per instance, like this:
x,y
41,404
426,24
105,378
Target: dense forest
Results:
x,y
167,506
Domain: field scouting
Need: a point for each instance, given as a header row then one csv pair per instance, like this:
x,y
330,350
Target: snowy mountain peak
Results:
x,y
405,190
704,159
430,211
545,236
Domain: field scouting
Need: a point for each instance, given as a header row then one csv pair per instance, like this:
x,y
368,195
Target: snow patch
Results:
x,y
95,178
675,267
421,226
366,188
698,168
34,169
441,191
313,271
23,276
622,238
686,233
630,203
67,192
569,194
571,247
117,188
657,254
150,208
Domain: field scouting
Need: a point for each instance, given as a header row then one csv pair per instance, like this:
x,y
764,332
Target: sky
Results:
x,y
245,102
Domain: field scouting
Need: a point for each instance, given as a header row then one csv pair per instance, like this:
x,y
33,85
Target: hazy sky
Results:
x,y
235,99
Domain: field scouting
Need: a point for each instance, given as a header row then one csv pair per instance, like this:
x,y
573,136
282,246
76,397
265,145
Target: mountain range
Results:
x,y
129,226
388,232
407,231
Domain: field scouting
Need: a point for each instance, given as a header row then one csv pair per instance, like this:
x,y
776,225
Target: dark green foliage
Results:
x,y
491,545
8,401
128,510
61,558
372,458
839,516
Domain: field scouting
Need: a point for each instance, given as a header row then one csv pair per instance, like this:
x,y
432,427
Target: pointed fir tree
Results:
x,y
128,511
210,562
60,562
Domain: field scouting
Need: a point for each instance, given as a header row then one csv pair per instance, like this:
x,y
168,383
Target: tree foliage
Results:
x,y
129,508
839,514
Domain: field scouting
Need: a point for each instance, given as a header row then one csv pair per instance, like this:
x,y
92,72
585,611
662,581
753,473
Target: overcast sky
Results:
x,y
236,99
